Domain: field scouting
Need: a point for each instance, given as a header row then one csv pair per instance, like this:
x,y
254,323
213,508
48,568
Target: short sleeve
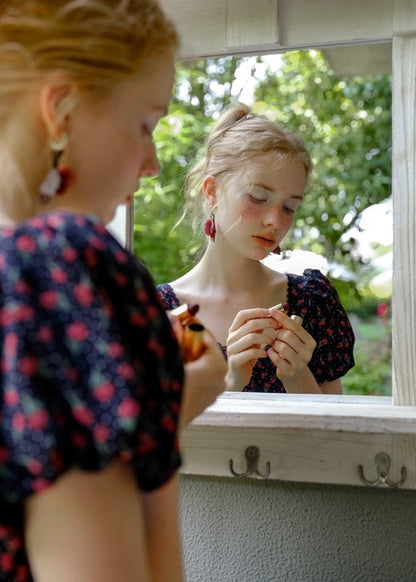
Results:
x,y
167,296
91,370
314,297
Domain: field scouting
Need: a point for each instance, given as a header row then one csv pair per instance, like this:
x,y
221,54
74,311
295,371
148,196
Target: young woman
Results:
x,y
247,189
92,376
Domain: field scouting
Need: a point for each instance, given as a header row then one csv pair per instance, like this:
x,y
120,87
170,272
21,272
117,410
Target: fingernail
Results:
x,y
279,306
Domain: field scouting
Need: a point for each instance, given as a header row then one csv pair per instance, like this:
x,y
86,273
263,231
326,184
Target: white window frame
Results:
x,y
323,439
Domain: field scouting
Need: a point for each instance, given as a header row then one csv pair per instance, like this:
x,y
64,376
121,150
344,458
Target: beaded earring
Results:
x,y
57,179
210,229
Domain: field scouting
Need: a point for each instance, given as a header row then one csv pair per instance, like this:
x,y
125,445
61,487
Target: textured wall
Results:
x,y
270,531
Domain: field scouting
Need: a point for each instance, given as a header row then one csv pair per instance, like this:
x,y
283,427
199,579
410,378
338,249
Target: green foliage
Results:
x,y
372,374
346,123
166,250
170,249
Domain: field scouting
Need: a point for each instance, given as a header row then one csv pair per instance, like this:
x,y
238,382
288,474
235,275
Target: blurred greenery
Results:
x,y
346,124
372,373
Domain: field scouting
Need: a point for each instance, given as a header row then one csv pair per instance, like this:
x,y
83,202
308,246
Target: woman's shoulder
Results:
x,y
66,240
311,282
67,262
79,229
48,231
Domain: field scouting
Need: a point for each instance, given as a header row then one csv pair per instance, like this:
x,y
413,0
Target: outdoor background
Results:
x,y
344,224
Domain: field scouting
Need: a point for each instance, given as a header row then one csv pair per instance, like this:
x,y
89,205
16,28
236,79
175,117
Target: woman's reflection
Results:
x,y
249,185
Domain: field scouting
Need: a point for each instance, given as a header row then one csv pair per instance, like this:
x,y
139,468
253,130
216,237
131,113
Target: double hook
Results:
x,y
252,455
382,461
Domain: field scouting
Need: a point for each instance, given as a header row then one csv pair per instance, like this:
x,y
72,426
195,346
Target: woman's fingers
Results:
x,y
247,315
291,355
256,331
243,340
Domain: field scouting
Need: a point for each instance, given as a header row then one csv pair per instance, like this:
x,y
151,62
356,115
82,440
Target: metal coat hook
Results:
x,y
252,455
382,461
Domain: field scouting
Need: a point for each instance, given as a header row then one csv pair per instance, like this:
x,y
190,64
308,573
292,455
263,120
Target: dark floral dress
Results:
x,y
90,368
313,297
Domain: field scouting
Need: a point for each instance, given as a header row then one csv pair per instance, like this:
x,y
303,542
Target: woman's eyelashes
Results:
x,y
287,208
146,130
257,199
147,126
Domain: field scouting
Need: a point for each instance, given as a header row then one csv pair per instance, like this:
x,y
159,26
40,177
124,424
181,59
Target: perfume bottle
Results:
x,y
189,331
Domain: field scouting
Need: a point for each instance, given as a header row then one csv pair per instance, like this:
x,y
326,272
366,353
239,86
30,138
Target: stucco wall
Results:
x,y
270,531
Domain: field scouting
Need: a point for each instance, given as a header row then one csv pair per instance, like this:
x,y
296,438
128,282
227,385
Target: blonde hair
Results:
x,y
96,43
236,139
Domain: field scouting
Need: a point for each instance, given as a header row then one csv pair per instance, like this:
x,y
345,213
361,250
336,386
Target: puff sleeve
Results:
x,y
314,297
167,296
91,370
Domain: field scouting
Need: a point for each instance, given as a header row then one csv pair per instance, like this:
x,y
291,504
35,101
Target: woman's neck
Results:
x,y
6,221
226,274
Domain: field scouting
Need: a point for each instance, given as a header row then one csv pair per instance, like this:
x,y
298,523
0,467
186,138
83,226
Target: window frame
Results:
x,y
320,439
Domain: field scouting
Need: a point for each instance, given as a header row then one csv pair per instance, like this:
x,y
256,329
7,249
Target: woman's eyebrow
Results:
x,y
264,187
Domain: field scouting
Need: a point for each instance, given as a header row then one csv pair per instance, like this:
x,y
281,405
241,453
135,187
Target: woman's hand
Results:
x,y
291,352
251,331
204,380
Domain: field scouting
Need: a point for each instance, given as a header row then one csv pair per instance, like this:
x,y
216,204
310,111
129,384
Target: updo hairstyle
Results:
x,y
236,139
97,42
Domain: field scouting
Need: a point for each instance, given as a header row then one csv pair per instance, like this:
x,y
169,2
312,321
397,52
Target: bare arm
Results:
x,y
305,383
162,532
93,527
334,387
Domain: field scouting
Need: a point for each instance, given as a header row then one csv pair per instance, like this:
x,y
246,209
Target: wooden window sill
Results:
x,y
309,438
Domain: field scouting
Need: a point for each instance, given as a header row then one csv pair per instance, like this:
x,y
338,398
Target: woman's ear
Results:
x,y
209,186
56,100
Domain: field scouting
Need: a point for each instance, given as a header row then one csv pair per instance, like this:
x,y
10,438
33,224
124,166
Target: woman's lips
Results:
x,y
265,242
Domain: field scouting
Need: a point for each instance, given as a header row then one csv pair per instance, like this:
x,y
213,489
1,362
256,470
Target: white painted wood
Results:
x,y
360,59
325,440
306,23
356,415
317,439
294,455
204,29
201,25
404,17
118,226
404,203
250,24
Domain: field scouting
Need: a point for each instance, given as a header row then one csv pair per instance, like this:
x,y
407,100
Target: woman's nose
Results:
x,y
271,218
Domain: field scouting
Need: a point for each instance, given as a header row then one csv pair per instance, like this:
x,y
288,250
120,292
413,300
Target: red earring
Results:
x,y
65,175
210,229
277,250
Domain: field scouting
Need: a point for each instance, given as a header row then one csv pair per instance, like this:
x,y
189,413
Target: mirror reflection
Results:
x,y
339,102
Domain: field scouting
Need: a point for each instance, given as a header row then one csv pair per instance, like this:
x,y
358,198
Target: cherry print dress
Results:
x,y
313,297
90,368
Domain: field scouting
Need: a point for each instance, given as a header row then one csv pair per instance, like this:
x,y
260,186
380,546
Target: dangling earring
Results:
x,y
276,251
57,179
210,229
